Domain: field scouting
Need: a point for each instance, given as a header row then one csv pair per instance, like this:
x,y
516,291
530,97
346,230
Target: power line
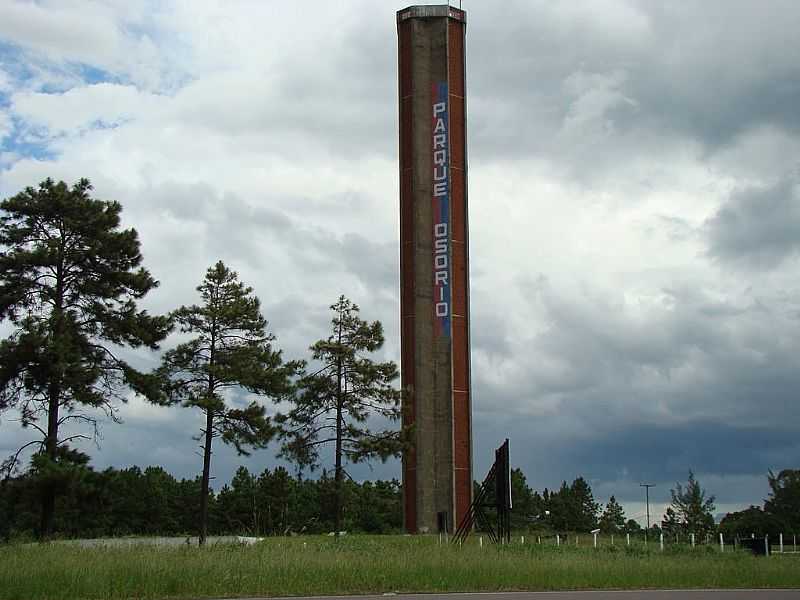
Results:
x,y
647,487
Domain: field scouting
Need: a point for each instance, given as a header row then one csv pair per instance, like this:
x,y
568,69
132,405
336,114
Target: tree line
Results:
x,y
572,508
70,282
132,501
780,513
153,502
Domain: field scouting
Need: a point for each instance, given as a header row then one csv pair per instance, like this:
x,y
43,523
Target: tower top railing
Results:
x,y
423,11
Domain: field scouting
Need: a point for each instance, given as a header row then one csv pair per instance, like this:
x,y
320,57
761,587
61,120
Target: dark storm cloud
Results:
x,y
716,74
654,452
757,227
616,461
627,79
731,358
492,337
609,393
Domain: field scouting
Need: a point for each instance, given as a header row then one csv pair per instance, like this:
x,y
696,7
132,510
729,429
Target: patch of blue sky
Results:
x,y
91,75
78,74
19,143
13,64
33,71
26,70
24,143
37,143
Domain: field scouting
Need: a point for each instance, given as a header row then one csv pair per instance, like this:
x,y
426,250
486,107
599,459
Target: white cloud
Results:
x,y
63,30
100,105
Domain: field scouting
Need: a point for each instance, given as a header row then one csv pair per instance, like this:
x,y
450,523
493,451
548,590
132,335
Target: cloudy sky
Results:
x,y
635,208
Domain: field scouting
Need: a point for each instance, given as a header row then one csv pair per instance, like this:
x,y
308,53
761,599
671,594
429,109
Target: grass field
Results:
x,y
369,564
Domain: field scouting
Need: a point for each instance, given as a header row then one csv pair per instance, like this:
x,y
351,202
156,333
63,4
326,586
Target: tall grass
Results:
x,y
368,564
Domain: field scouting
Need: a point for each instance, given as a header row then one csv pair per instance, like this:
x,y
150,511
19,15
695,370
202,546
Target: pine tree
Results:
x,y
69,282
563,513
523,499
335,402
692,508
276,491
238,503
613,518
232,350
783,504
583,507
670,524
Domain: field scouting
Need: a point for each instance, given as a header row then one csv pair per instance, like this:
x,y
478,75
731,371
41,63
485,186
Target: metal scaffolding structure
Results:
x,y
494,493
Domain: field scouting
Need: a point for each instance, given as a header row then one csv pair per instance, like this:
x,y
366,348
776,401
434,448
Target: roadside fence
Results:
x,y
784,544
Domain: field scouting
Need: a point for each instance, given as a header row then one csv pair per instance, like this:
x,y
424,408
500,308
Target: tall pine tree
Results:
x,y
582,506
70,279
613,518
693,509
335,402
232,349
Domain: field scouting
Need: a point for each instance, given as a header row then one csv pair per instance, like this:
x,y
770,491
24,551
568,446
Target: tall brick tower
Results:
x,y
434,267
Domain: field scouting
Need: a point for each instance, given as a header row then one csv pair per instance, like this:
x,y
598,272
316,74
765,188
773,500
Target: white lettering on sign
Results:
x,y
441,209
441,270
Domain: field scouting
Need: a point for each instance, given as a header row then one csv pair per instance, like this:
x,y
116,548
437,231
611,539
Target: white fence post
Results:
x,y
628,538
538,539
780,542
692,540
661,541
595,540
721,543
558,540
523,540
612,539
480,542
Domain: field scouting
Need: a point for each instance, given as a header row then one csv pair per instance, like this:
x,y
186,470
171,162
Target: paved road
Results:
x,y
584,595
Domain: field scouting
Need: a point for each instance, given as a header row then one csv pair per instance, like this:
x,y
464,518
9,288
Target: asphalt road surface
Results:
x,y
583,595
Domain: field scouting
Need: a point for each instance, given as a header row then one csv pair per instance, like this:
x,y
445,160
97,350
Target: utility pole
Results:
x,y
647,487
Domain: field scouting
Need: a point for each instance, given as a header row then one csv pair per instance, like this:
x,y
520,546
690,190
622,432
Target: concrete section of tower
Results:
x,y
434,267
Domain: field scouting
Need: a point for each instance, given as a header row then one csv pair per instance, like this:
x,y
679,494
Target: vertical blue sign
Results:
x,y
440,140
